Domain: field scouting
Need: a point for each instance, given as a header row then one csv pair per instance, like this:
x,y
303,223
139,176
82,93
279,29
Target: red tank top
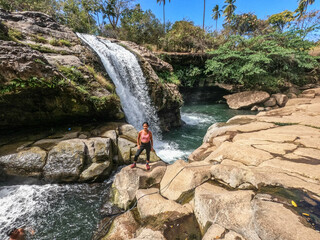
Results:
x,y
145,138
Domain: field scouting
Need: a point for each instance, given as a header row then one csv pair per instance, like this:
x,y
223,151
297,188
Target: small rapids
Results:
x,y
53,211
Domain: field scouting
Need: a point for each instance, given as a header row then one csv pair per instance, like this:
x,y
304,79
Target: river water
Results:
x,y
72,211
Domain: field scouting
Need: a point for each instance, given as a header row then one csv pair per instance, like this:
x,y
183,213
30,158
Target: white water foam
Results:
x,y
126,74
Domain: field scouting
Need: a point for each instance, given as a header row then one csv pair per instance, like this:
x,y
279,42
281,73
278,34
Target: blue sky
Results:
x,y
193,9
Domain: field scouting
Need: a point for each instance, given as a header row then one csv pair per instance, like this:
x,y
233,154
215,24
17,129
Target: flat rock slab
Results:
x,y
152,204
243,153
274,221
182,177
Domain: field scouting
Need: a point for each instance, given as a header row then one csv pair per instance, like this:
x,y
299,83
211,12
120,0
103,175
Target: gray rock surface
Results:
x,y
65,161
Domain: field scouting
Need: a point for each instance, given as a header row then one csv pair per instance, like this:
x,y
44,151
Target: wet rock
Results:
x,y
96,171
122,228
273,221
65,161
128,181
25,163
246,99
182,177
99,149
124,150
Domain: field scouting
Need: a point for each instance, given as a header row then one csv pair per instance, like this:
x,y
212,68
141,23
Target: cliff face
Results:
x,y
166,97
47,76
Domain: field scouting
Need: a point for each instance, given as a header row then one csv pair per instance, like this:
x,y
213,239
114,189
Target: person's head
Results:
x,y
16,233
145,125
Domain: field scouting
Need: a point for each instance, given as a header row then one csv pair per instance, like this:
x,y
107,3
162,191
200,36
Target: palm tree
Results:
x,y
164,15
216,14
229,9
204,12
302,7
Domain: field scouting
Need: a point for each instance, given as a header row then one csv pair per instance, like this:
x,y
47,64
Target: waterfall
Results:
x,y
126,74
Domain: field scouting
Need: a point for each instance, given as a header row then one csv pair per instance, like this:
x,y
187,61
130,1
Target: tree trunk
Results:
x,y
204,13
164,18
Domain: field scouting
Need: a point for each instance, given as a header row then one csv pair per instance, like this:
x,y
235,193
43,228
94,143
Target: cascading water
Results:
x,y
125,72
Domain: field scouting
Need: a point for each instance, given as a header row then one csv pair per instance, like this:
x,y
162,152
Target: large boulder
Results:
x,y
99,149
25,163
230,209
97,171
123,227
152,204
65,161
128,132
124,150
246,99
281,99
181,177
128,181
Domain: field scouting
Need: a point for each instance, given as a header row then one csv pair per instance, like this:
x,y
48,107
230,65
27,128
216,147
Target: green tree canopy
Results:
x,y
184,36
140,26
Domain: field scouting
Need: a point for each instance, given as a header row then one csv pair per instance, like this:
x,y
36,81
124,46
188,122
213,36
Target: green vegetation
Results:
x,y
101,79
39,39
72,73
33,82
264,62
14,34
248,51
60,42
45,49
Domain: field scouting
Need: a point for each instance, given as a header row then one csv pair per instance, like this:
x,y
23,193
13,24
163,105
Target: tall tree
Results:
x,y
113,9
229,9
281,20
302,7
216,14
164,15
204,12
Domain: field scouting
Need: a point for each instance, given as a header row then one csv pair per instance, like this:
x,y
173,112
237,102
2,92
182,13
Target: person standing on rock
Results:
x,y
144,141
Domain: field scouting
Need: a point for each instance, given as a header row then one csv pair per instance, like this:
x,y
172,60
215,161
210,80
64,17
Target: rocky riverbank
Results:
x,y
80,154
254,177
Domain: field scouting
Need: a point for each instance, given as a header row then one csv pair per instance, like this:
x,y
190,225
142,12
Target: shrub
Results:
x,y
264,62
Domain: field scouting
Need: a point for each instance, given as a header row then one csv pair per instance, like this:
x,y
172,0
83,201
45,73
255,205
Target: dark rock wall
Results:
x,y
47,77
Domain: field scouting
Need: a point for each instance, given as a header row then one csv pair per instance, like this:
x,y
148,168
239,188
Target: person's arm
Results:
x,y
151,140
138,140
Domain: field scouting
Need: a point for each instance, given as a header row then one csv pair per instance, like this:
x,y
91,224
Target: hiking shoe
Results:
x,y
133,165
147,166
